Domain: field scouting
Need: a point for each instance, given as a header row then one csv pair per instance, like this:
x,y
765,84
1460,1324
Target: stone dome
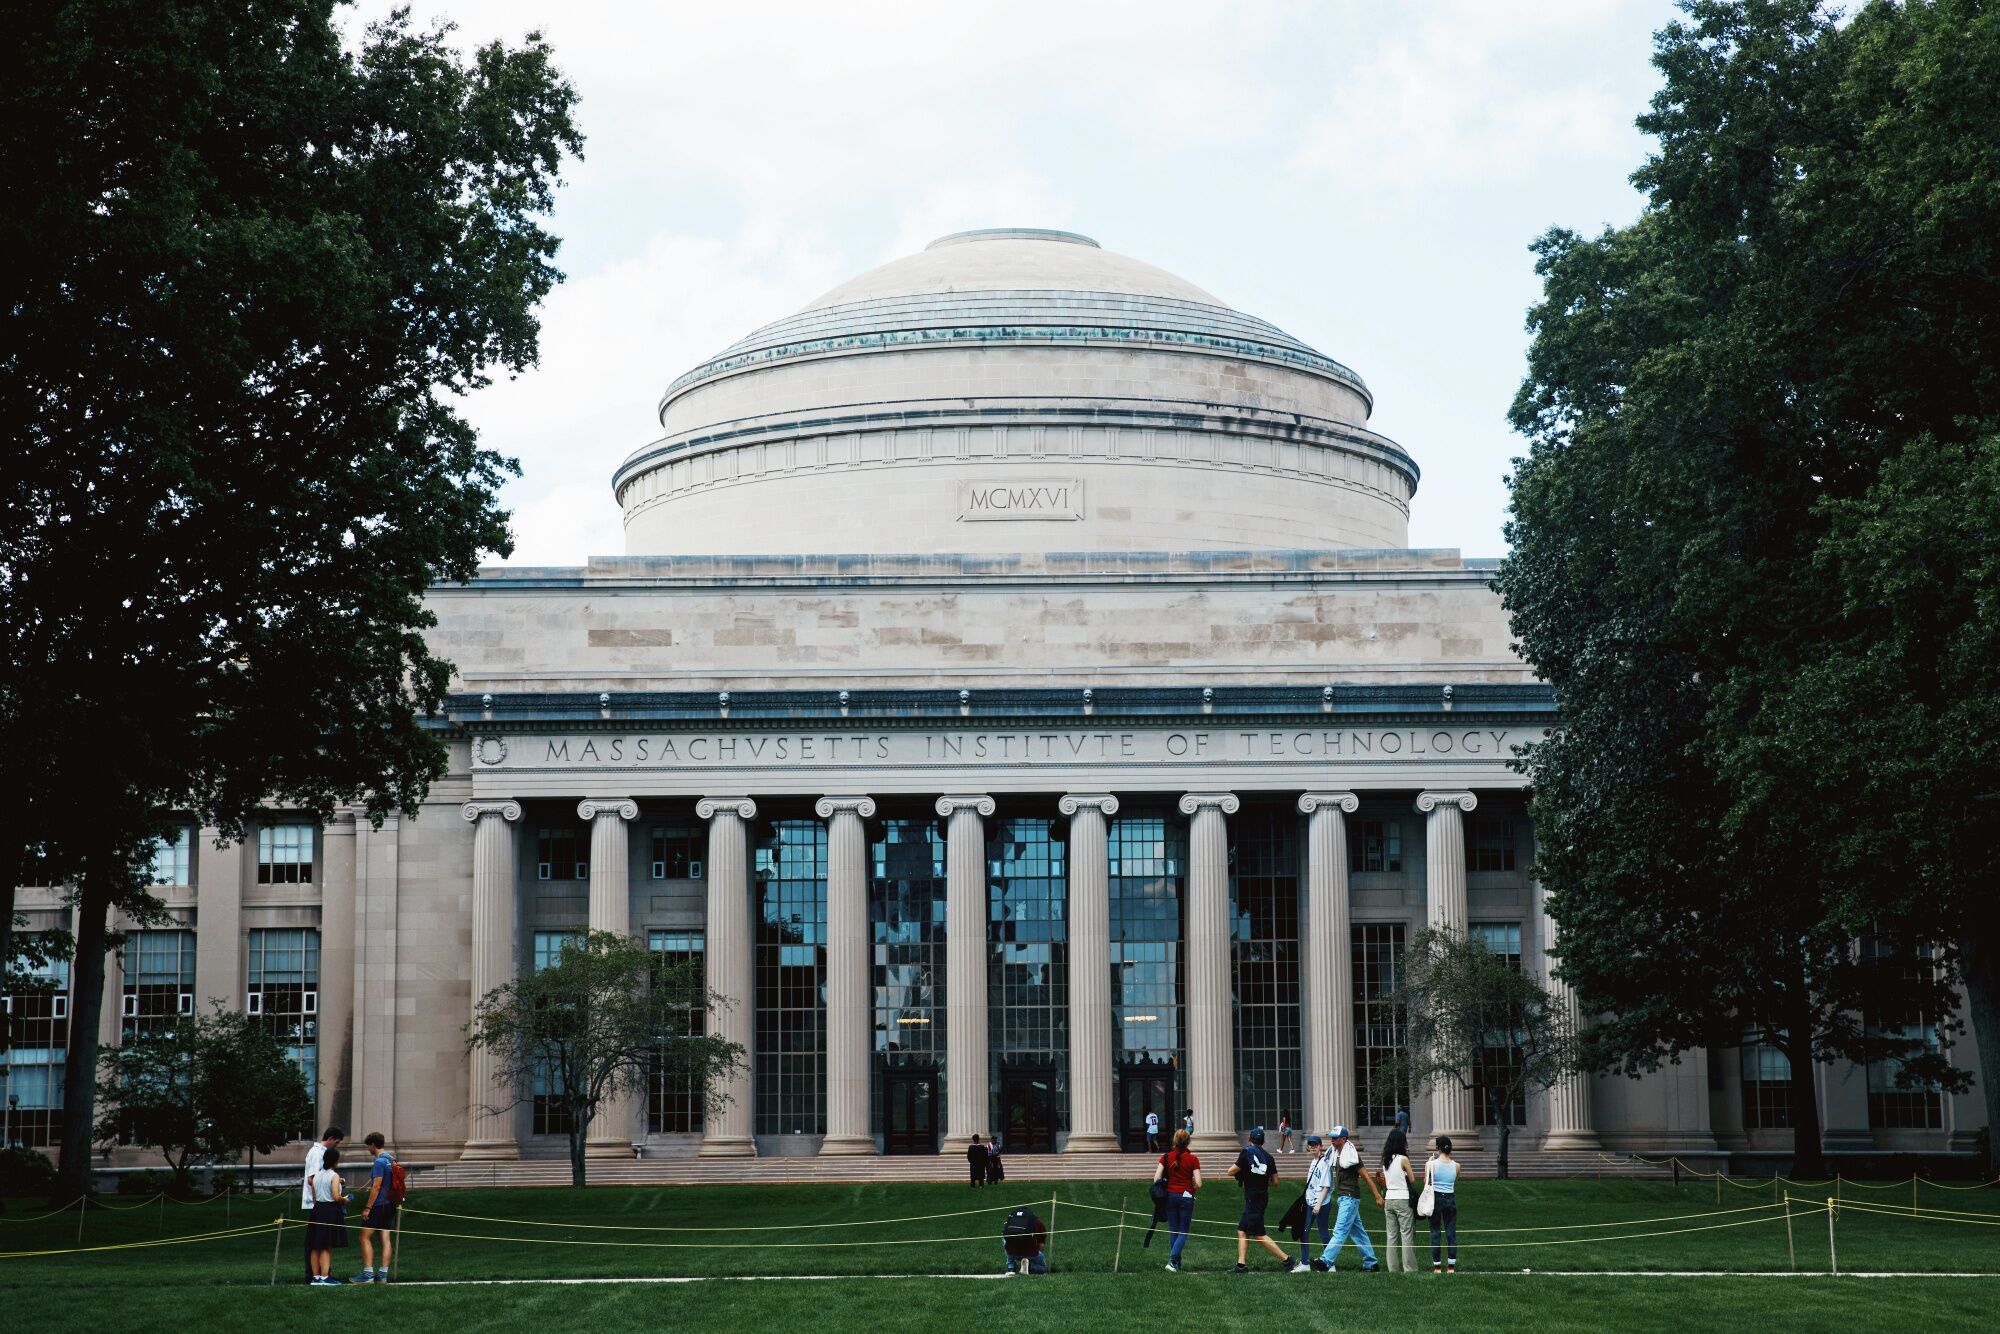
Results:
x,y
1015,390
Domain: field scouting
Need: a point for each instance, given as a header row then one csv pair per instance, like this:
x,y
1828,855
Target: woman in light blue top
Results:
x,y
1441,1175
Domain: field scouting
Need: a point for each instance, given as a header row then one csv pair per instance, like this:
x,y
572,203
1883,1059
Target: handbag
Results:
x,y
1158,1191
1427,1202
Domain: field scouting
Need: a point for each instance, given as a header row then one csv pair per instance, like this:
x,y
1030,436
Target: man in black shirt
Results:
x,y
975,1159
1254,1171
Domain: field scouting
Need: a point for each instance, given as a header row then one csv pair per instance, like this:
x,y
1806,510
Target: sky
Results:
x,y
1366,176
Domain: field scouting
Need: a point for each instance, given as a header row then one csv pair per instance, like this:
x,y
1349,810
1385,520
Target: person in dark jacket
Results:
x,y
976,1160
996,1171
1024,1238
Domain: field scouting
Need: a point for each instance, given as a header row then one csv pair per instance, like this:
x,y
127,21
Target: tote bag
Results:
x,y
1427,1202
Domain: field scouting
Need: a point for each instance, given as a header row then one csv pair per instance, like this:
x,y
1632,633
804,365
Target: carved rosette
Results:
x,y
623,807
826,807
1225,802
1342,801
507,810
708,807
950,806
1072,802
1430,801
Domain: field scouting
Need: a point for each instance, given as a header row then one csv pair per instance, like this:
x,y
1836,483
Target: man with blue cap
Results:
x,y
1318,1212
1254,1171
1348,1174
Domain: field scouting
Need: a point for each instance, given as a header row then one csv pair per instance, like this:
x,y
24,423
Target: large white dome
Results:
x,y
1015,390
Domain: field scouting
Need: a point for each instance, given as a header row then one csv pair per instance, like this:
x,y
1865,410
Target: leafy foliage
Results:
x,y
1753,547
596,1024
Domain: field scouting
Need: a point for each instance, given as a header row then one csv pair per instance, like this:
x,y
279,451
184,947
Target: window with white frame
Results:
x,y
1767,1082
673,1102
33,1064
284,997
562,852
285,854
159,982
677,851
170,858
1895,1103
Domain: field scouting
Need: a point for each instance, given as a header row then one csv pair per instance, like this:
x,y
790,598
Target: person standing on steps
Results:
x,y
1180,1173
1284,1132
1441,1175
1152,1132
1254,1170
1187,1122
1348,1174
975,1161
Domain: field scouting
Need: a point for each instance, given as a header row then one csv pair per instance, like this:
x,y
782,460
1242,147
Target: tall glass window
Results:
x,y
1489,843
906,962
1148,886
1376,846
562,852
790,1062
550,1117
673,1103
285,854
170,858
1264,950
677,851
1500,1056
1767,1085
1892,1106
284,993
159,982
35,1060
1027,974
1378,1023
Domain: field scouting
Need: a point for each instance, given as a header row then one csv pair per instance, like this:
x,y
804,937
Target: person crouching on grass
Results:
x,y
378,1212
1254,1172
327,1232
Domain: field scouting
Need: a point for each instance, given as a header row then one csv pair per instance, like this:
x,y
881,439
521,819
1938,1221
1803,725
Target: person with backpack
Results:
x,y
1180,1173
1024,1239
378,1214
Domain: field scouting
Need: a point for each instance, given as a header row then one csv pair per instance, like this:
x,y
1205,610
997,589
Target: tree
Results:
x,y
1460,1004
209,1087
248,271
597,1023
1716,399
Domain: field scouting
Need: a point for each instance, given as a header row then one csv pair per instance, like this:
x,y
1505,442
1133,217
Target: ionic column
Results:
x,y
730,971
1211,1041
967,1105
611,1132
1089,911
1444,895
848,1018
1326,1014
1571,1125
495,867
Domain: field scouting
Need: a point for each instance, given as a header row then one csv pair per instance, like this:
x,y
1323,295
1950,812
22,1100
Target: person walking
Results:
x,y
1401,1217
1254,1170
327,1232
1284,1132
1152,1132
975,1161
1187,1122
378,1211
1180,1173
1348,1174
315,1161
1441,1175
1318,1202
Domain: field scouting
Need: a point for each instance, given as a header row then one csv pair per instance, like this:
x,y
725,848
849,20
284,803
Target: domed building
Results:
x,y
1020,698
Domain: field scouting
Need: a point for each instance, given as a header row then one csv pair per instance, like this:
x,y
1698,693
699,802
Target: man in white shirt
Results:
x,y
1152,1132
316,1160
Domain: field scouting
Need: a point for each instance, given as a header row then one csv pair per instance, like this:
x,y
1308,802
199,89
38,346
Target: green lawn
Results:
x,y
220,1284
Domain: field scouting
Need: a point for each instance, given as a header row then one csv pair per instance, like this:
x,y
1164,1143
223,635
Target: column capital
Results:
x,y
623,807
1341,801
827,807
508,810
1072,802
709,807
1225,802
1430,801
952,805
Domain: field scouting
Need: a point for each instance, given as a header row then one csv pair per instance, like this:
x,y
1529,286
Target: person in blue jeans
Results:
x,y
1441,1175
1348,1175
1180,1172
1319,1200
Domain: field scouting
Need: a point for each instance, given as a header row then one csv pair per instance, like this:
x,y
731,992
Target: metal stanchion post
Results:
x,y
1832,1250
82,1208
396,1252
1791,1249
163,1212
1119,1252
277,1241
1049,1248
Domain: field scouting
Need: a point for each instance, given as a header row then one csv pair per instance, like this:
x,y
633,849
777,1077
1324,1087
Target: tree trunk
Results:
x,y
1808,1158
86,1005
1504,1128
1976,949
576,1134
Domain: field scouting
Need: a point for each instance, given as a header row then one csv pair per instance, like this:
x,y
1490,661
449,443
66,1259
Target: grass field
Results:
x,y
1558,1229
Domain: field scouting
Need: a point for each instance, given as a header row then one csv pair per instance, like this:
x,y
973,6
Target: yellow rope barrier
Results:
x,y
1562,1227
227,1234
765,1227
1921,1215
984,1237
50,1214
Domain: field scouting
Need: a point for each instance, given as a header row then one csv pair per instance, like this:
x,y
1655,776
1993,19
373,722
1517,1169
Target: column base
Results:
x,y
1092,1143
1570,1139
847,1146
733,1146
1219,1146
956,1145
490,1151
607,1148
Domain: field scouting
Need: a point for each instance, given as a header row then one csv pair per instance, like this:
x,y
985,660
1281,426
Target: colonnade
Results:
x,y
1327,981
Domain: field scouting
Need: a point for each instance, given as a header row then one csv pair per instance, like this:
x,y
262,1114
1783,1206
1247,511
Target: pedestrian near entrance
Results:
x,y
327,1232
1284,1132
1348,1174
1401,1247
975,1162
1187,1122
996,1171
1152,1132
1319,1200
315,1161
378,1211
1254,1171
1180,1173
1441,1175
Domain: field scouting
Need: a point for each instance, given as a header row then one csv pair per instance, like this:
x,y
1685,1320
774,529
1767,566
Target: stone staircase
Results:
x,y
1053,1168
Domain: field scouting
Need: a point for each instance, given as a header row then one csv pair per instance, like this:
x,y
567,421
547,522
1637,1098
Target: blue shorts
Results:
x,y
1252,1222
382,1216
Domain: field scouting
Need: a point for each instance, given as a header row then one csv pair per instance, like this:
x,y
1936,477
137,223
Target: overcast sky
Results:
x,y
1366,176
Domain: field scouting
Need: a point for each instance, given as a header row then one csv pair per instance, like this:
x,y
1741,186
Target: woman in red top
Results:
x,y
1180,1172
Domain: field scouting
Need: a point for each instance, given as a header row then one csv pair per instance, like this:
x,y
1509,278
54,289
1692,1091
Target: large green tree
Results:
x,y
248,270
1753,547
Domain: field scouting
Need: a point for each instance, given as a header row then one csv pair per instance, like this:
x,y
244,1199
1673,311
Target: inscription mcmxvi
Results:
x,y
1059,498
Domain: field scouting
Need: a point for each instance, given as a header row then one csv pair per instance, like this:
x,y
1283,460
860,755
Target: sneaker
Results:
x,y
1318,1265
328,1282
1240,1269
365,1276
1173,1268
1299,1267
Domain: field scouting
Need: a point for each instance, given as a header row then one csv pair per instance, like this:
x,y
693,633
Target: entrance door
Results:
x,y
1142,1090
1028,1109
909,1110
